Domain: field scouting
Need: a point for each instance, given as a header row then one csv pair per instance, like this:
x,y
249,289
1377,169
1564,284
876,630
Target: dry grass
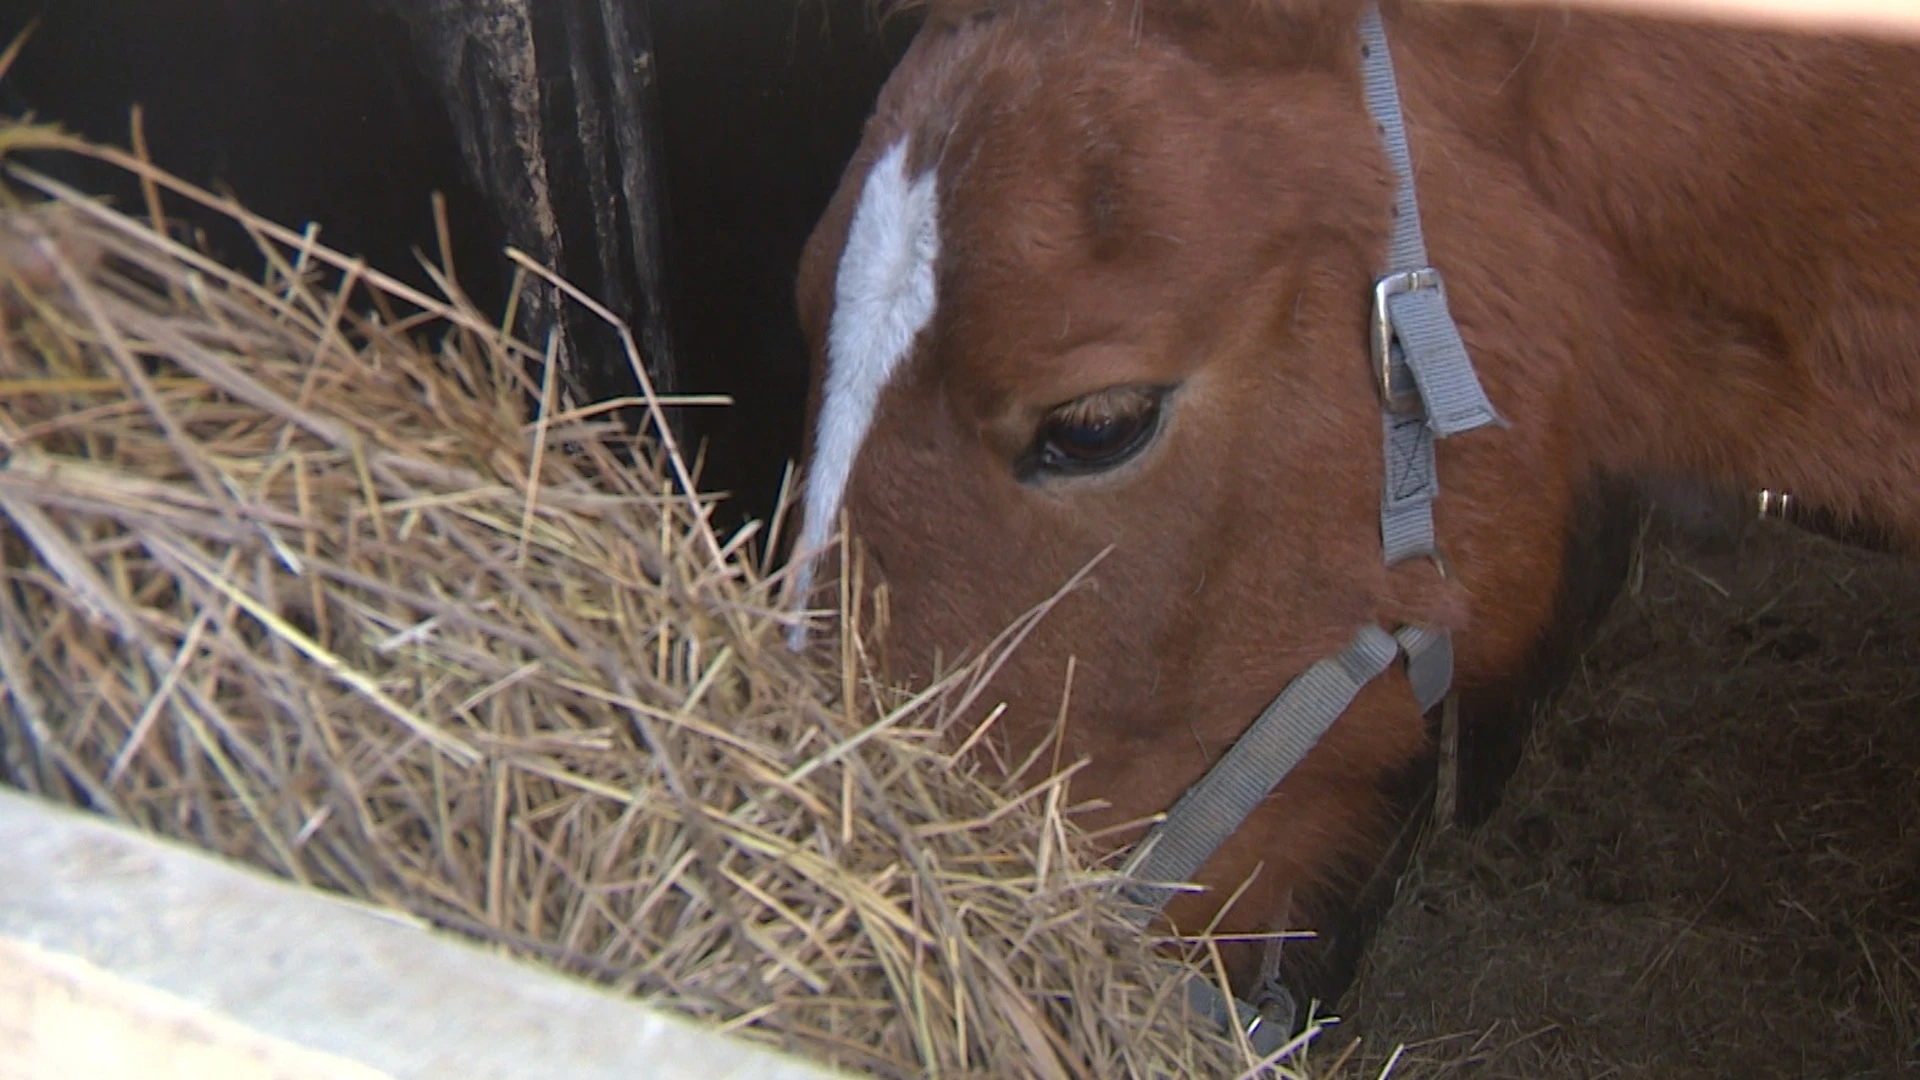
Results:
x,y
294,573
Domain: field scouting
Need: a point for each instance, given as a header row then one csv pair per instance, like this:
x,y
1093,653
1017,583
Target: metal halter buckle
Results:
x,y
1405,400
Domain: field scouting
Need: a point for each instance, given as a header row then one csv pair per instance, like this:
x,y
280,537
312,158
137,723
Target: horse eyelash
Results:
x,y
1101,405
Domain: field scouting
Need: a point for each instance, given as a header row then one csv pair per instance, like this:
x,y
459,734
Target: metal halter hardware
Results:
x,y
1427,390
1402,399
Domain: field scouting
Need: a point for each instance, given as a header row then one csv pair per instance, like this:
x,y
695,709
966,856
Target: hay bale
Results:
x,y
295,574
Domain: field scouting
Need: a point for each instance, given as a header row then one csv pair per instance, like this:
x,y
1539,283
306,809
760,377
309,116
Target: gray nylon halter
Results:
x,y
1428,390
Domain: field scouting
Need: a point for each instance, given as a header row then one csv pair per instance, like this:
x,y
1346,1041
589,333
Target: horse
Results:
x,y
1094,304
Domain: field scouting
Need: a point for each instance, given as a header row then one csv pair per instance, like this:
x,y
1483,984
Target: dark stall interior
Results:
x,y
762,102
306,111
342,112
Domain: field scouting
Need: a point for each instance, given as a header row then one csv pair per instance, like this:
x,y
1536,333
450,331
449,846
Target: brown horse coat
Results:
x,y
1672,249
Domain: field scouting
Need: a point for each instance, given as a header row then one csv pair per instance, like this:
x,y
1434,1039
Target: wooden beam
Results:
x,y
126,956
1885,18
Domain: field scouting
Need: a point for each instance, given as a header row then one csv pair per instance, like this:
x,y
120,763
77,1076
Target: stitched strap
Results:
x,y
1426,363
1411,485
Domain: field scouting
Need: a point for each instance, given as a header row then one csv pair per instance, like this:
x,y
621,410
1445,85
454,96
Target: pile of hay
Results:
x,y
313,588
1709,863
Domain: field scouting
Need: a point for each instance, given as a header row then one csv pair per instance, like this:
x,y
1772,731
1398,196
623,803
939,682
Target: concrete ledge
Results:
x,y
121,955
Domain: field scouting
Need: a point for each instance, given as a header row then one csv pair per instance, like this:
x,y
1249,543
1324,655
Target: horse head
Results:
x,y
1097,290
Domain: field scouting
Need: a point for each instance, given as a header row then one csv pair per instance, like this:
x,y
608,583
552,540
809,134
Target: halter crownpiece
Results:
x,y
1428,390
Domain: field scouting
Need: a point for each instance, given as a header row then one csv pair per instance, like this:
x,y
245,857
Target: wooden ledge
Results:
x,y
122,955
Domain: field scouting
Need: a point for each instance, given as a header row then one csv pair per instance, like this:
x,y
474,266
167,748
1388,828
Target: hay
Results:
x,y
311,587
1709,863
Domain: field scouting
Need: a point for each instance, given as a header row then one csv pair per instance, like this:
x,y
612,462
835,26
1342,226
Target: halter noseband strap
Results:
x,y
1427,390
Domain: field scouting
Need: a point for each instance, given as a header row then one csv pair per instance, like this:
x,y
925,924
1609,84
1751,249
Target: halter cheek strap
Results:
x,y
1428,390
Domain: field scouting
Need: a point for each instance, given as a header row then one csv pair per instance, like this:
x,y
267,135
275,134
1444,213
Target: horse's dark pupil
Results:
x,y
1094,441
1095,436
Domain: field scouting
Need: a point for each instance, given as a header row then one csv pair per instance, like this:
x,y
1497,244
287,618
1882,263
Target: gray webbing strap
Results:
x,y
1429,662
1409,246
1430,343
1214,808
1410,486
1428,390
1415,339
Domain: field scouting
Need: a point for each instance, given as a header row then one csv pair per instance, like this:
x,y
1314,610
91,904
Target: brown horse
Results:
x,y
1099,278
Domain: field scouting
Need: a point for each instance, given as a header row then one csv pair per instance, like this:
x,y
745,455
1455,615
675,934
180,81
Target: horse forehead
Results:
x,y
886,282
884,294
950,131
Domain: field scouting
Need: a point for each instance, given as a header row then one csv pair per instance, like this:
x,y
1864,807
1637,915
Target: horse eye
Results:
x,y
1096,432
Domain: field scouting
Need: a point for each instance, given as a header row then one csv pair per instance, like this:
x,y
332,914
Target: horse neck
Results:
x,y
1742,201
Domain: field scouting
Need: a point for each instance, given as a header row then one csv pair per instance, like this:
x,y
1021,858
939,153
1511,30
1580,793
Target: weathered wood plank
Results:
x,y
122,955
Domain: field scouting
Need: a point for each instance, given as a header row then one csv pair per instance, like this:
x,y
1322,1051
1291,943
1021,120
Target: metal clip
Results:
x,y
1426,277
1777,504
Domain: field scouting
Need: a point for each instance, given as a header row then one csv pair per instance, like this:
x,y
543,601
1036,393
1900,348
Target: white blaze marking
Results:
x,y
883,296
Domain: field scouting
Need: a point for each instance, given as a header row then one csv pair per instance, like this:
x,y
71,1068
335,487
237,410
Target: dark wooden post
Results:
x,y
555,107
670,158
